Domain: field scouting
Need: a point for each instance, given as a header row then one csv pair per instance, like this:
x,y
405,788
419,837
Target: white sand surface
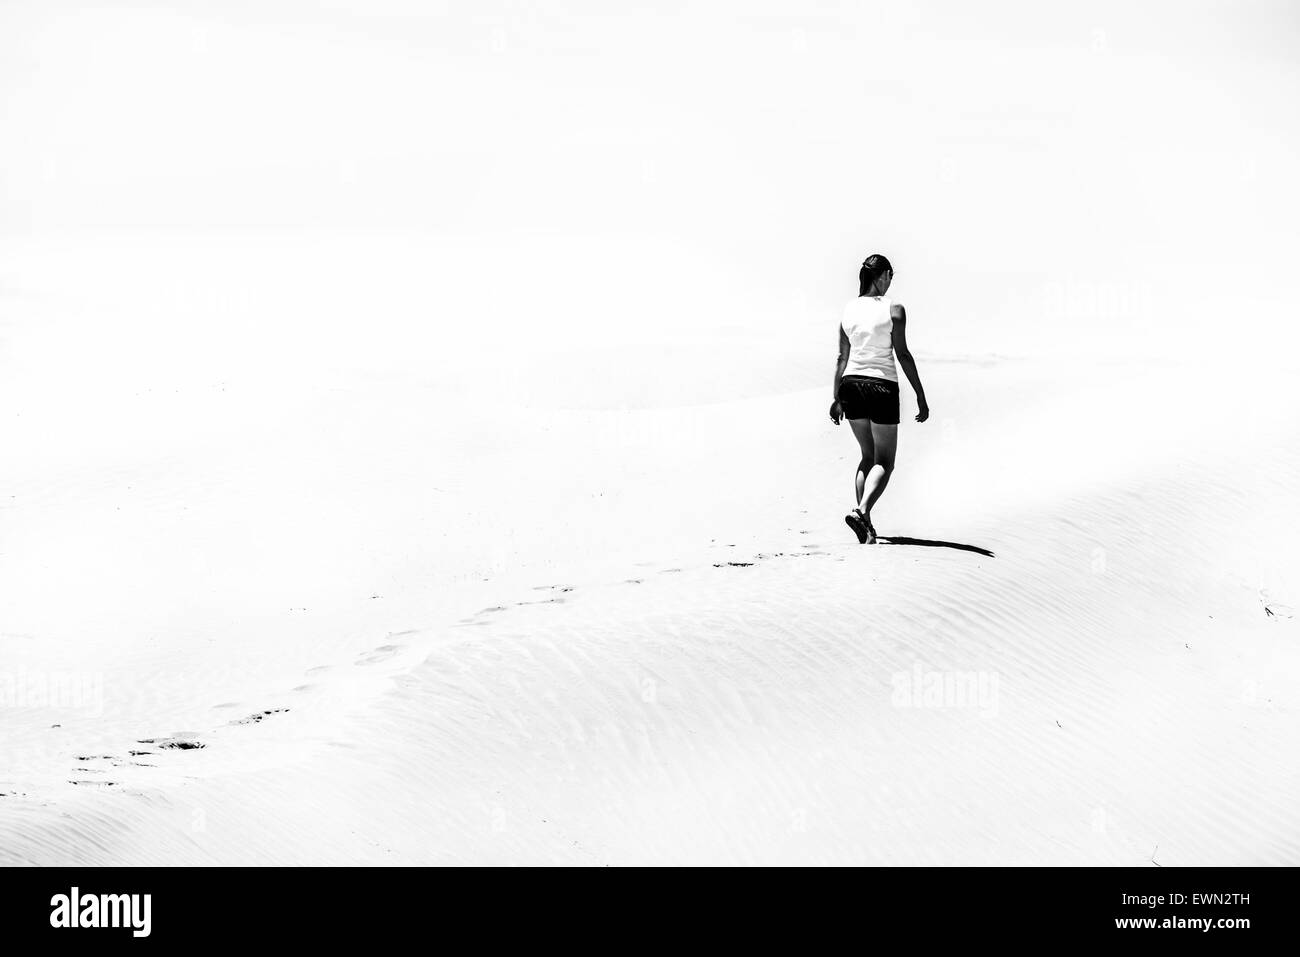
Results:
x,y
374,606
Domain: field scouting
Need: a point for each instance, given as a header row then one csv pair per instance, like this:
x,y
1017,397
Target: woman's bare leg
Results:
x,y
862,432
885,443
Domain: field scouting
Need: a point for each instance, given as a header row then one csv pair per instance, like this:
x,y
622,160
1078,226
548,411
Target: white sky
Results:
x,y
1020,163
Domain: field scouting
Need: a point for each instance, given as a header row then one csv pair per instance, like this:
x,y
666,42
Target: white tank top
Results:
x,y
869,326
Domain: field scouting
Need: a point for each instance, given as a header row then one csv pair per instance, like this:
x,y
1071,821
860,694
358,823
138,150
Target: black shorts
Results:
x,y
869,397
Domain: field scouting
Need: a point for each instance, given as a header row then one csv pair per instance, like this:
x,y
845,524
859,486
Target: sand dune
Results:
x,y
416,451
657,646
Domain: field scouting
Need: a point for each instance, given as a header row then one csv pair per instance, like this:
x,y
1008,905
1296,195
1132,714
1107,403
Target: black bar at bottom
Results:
x,y
338,907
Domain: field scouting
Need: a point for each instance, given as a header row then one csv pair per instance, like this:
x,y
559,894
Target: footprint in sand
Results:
x,y
381,653
555,599
181,741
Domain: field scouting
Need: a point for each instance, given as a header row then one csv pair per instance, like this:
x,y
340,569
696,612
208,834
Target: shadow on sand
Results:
x,y
931,543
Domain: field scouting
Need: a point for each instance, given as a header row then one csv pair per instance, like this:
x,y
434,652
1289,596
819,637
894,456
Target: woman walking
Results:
x,y
872,333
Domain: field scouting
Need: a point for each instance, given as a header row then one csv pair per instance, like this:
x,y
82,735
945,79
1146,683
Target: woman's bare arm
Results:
x,y
904,356
836,413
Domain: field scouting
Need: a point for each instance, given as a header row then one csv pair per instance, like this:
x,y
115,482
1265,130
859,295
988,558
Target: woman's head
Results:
x,y
875,276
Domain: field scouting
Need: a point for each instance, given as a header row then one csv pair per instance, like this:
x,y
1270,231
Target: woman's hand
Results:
x,y
836,412
923,412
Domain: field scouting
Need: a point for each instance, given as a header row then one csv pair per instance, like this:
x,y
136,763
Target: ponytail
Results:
x,y
873,267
